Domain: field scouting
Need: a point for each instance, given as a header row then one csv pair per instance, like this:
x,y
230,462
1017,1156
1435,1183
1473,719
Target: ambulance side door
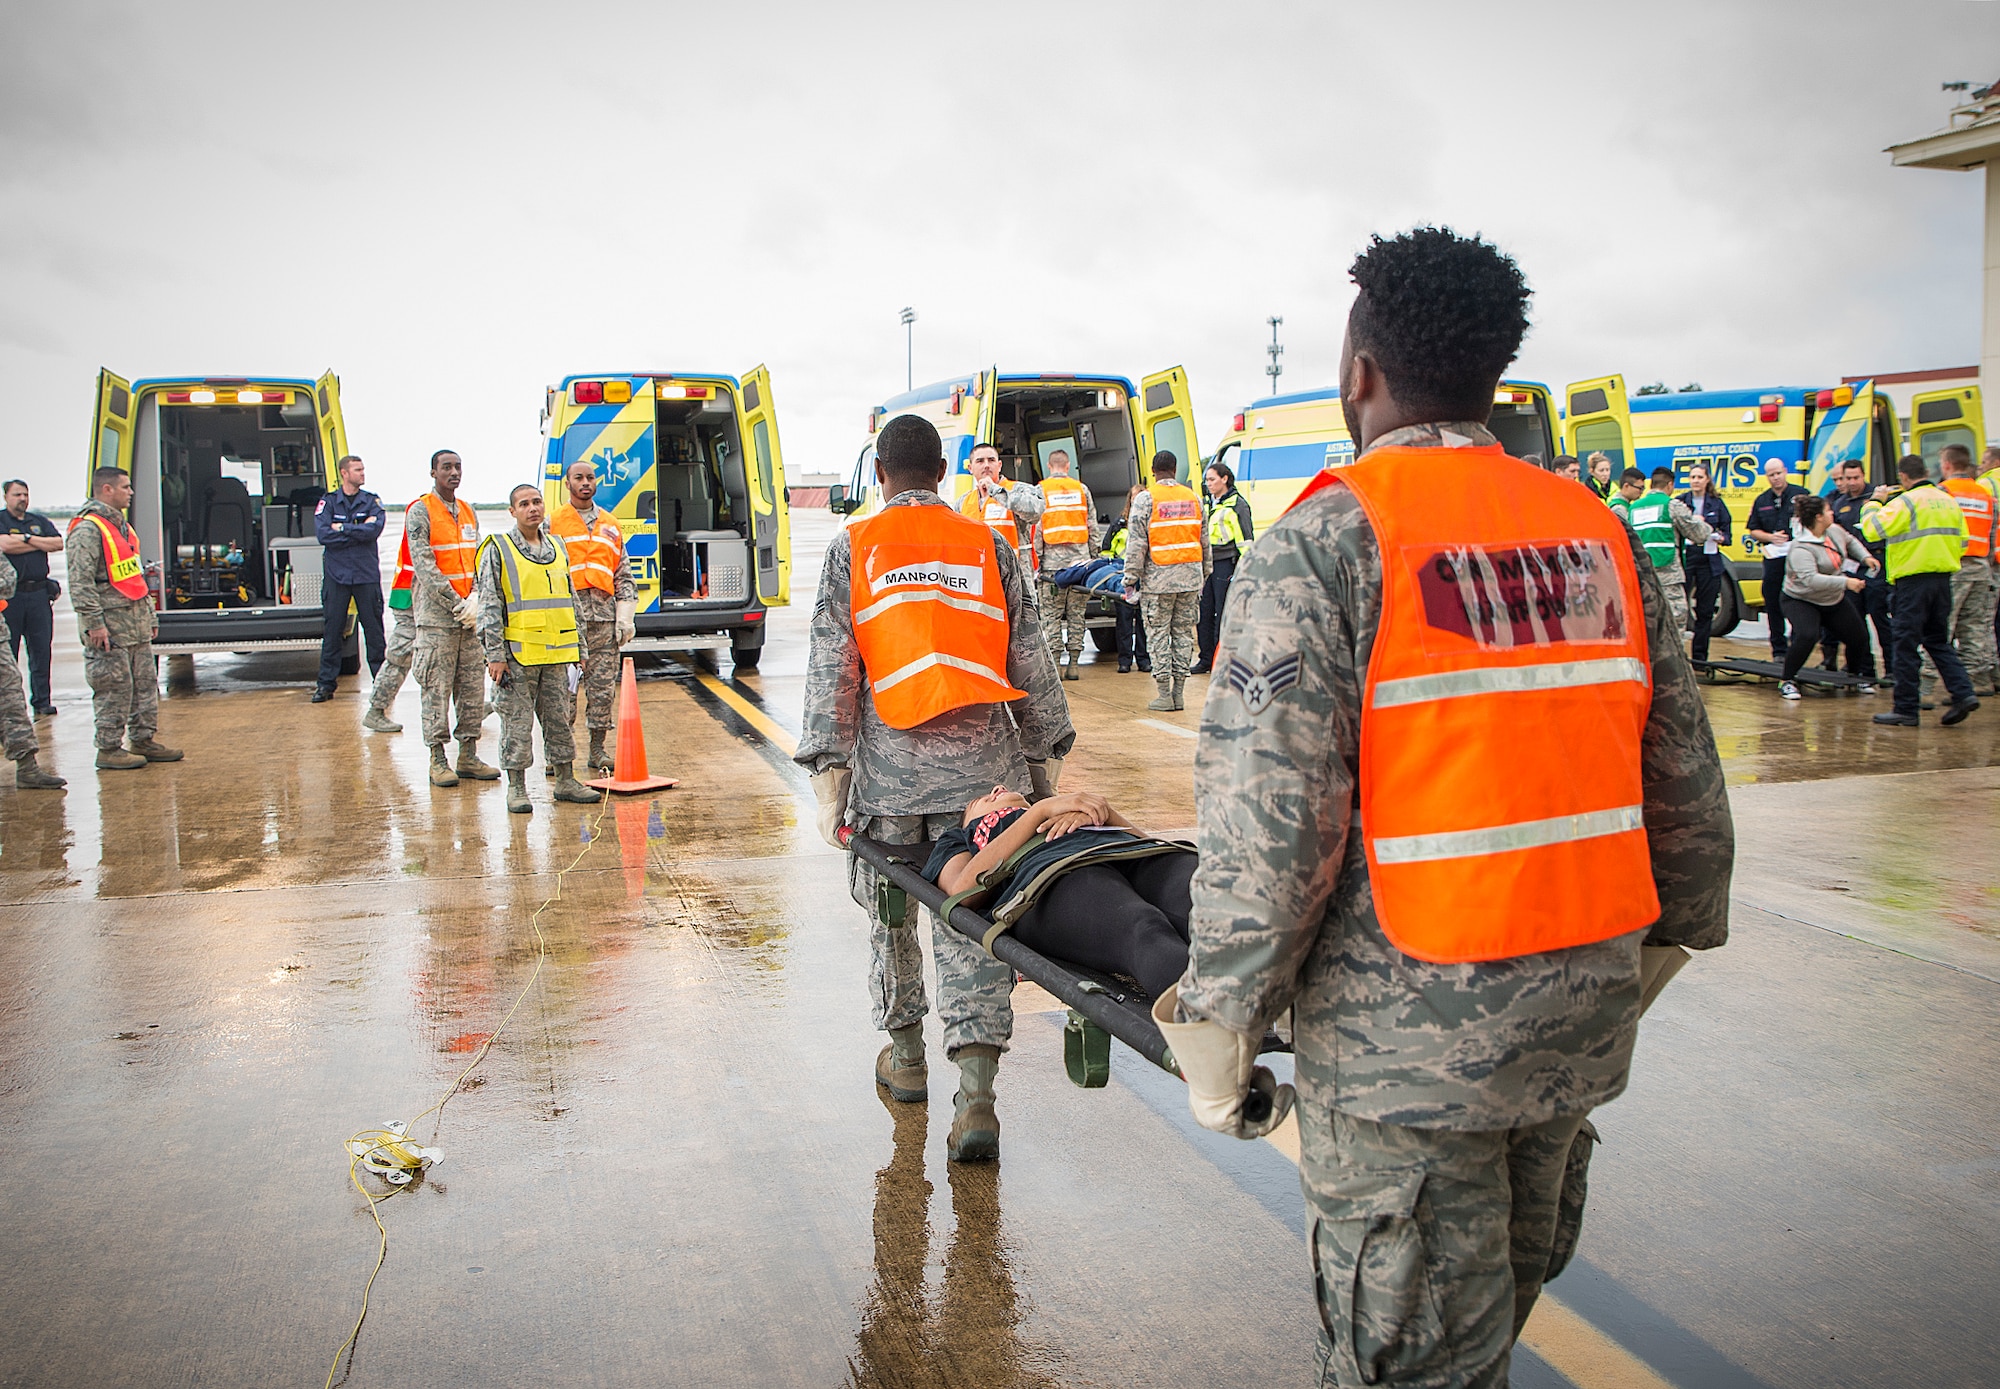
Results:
x,y
1940,418
1166,421
1601,422
332,429
111,426
770,522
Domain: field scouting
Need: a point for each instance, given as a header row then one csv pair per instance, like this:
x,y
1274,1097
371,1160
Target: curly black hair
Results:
x,y
1442,315
909,451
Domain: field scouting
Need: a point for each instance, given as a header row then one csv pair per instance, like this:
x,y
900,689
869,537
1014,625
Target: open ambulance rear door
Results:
x,y
769,516
1166,421
1852,423
111,426
1942,418
1601,422
332,429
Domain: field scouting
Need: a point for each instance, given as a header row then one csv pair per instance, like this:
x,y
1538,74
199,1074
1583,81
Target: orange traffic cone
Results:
x,y
628,767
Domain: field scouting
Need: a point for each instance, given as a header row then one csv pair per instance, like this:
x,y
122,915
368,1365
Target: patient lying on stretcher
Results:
x,y
1084,885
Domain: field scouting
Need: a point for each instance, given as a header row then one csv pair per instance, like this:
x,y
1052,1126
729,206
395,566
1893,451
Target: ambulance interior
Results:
x,y
702,500
234,484
1523,430
1031,422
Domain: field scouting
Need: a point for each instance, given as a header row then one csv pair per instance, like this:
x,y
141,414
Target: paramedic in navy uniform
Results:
x,y
349,522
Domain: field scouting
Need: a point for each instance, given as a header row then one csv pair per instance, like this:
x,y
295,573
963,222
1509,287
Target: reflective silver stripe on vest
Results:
x,y
1922,533
930,595
937,658
1560,675
1528,834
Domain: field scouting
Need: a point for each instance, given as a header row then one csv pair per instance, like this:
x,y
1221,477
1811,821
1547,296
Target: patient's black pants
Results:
x,y
1128,918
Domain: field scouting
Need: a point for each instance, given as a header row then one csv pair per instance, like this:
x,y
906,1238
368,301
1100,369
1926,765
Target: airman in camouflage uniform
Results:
x,y
1169,597
117,637
17,729
601,625
449,668
1024,500
909,786
395,668
525,694
1063,609
1689,529
1438,1103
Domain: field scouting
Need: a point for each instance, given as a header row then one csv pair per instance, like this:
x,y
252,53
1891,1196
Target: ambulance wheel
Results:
x,y
1105,639
747,657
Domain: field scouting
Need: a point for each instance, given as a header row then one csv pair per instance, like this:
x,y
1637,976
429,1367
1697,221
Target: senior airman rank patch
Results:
x,y
1260,687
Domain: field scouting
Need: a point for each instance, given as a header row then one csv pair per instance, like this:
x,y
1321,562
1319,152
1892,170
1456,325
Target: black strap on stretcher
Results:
x,y
1100,1006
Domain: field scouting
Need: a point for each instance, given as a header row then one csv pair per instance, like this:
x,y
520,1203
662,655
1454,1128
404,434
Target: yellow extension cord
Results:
x,y
388,1150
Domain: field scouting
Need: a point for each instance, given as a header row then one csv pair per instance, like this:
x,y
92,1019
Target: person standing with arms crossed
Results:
x,y
17,728
1230,529
1166,563
928,684
1395,846
1067,535
607,601
443,537
527,631
28,538
117,621
1011,508
348,522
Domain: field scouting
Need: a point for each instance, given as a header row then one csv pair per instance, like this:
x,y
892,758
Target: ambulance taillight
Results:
x,y
678,392
1236,425
587,392
1839,395
617,392
1768,407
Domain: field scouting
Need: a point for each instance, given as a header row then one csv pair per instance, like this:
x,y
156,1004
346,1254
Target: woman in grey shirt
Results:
x,y
1816,588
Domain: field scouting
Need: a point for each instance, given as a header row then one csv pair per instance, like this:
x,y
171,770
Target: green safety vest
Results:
x,y
1225,524
1651,517
1922,531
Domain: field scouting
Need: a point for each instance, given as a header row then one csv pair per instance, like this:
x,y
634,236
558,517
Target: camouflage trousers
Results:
x,y
598,680
1428,1246
451,669
396,664
975,991
531,693
1972,593
16,727
1674,580
1062,619
124,692
1170,630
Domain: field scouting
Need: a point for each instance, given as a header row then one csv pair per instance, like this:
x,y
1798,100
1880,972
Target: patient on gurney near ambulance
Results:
x,y
1073,880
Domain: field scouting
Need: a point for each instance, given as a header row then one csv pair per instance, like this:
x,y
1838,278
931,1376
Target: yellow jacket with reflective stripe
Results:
x,y
1921,529
541,607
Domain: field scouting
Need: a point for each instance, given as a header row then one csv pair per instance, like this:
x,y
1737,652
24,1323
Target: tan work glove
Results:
x,y
628,621
830,787
467,611
1227,1090
1043,778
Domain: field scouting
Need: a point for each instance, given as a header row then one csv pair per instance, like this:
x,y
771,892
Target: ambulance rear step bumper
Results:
x,y
240,648
692,641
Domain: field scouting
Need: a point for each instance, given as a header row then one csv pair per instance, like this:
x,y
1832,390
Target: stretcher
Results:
x,y
1101,1006
1771,670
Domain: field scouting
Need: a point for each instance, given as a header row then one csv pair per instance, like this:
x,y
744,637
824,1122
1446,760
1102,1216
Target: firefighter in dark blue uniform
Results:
x,y
348,522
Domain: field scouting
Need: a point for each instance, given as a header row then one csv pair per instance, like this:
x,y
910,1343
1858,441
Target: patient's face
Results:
x,y
999,798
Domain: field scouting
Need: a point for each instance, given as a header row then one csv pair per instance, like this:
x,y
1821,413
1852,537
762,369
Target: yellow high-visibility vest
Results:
x,y
541,607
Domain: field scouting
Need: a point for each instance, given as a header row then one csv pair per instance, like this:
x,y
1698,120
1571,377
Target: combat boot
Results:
x,y
1180,691
1069,670
29,776
470,767
118,760
900,1069
568,788
441,772
599,760
380,721
1166,696
975,1128
517,794
157,752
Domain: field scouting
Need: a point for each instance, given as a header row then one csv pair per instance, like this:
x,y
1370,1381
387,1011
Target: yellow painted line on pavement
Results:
x,y
752,715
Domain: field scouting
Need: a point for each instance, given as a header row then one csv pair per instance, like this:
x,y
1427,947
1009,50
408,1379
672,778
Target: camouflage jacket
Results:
x,y
1689,529
486,582
1282,911
130,621
1148,577
431,595
594,604
943,765
8,578
1051,559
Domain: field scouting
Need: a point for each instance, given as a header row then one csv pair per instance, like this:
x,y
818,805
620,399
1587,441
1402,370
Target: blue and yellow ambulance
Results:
x,y
226,472
1811,430
1275,445
690,465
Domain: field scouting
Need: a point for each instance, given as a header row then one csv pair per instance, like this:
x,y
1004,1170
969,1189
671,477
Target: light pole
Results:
x,y
908,317
1276,349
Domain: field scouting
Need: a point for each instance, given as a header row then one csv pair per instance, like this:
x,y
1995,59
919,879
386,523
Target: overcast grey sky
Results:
x,y
453,205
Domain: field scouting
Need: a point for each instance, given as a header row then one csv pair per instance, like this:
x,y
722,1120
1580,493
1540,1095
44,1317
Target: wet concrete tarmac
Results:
x,y
673,1167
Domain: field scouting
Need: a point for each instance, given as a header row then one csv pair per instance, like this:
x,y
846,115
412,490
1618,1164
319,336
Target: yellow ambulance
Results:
x,y
690,465
1276,445
226,472
1812,430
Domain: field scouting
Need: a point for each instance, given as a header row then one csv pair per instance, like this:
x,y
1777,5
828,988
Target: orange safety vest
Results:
x,y
1512,635
1066,521
122,565
995,513
596,551
929,614
454,541
1977,504
1173,533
